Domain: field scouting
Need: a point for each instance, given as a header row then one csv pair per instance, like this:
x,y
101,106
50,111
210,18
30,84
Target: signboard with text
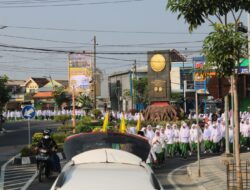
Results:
x,y
80,71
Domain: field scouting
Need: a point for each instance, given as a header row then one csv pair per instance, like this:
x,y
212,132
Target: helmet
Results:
x,y
46,133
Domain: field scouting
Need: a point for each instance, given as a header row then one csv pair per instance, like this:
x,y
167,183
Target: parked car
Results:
x,y
108,161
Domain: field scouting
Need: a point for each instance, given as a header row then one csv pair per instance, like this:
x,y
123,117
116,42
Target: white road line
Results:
x,y
9,185
30,181
14,188
3,171
11,181
14,177
170,178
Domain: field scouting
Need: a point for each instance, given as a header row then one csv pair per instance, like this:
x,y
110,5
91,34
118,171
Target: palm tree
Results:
x,y
83,101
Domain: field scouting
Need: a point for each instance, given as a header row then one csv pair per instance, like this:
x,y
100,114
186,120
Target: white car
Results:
x,y
116,163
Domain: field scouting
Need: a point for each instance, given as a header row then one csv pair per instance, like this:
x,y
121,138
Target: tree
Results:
x,y
84,102
140,87
60,96
226,42
4,95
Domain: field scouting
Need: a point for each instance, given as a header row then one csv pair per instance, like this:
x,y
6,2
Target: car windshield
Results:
x,y
89,141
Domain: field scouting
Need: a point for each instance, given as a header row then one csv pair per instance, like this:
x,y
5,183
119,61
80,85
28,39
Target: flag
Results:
x,y
138,125
122,128
105,123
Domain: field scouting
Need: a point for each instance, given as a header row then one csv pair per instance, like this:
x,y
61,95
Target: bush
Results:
x,y
36,138
84,129
97,113
62,118
28,151
86,119
65,129
59,137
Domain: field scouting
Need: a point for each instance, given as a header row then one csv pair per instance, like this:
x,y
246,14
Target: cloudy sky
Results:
x,y
120,26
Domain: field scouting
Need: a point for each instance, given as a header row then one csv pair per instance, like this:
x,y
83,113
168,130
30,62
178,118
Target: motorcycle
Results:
x,y
43,164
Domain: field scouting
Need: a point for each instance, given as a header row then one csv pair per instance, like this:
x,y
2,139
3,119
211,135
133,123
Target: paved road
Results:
x,y
17,137
17,176
165,174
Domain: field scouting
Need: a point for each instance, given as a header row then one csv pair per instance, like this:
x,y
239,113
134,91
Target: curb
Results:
x,y
190,175
32,159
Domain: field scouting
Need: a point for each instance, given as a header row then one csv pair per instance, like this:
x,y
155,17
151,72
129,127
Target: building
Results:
x,y
17,94
121,87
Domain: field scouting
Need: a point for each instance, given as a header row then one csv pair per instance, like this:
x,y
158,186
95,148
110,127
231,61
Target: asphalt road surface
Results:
x,y
173,171
16,136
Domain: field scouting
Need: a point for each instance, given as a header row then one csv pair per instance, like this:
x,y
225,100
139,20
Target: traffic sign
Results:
x,y
28,112
218,87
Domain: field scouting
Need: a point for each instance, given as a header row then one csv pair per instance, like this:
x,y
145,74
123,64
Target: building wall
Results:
x,y
175,79
31,87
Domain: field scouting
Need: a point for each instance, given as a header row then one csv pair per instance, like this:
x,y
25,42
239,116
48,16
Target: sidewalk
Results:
x,y
213,172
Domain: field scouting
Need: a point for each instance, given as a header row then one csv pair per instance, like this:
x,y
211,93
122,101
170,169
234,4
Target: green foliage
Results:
x,y
36,138
195,13
245,104
62,118
223,48
4,92
83,101
86,120
59,137
60,96
97,113
84,129
28,151
66,129
140,87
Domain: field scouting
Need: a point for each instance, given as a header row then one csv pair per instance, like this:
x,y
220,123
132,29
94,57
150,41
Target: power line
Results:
x,y
71,4
106,31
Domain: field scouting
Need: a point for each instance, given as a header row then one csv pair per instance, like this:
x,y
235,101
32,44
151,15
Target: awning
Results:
x,y
244,62
43,95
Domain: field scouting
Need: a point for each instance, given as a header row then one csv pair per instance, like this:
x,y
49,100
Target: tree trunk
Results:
x,y
236,136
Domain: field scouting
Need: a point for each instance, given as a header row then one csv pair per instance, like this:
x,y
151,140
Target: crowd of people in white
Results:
x,y
170,140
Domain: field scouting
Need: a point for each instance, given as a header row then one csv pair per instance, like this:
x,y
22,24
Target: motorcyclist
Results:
x,y
49,144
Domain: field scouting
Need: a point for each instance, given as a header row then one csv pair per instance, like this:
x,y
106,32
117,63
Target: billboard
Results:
x,y
80,71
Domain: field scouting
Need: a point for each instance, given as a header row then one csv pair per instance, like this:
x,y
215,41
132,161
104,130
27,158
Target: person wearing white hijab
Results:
x,y
176,138
215,138
184,140
157,147
149,134
206,138
169,133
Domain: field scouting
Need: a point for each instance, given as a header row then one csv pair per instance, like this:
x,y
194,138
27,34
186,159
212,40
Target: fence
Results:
x,y
232,177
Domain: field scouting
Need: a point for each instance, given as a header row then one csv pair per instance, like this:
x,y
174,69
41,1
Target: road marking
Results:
x,y
170,178
3,171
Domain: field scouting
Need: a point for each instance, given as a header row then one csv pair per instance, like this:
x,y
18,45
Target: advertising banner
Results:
x,y
80,71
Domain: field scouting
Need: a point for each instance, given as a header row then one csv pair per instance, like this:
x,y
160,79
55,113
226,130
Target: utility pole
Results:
x,y
94,73
198,133
73,110
227,151
184,95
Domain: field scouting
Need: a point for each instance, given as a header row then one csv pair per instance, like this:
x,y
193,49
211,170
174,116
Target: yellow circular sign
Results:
x,y
157,62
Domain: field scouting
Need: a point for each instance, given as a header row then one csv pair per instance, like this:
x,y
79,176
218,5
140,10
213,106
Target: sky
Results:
x,y
135,26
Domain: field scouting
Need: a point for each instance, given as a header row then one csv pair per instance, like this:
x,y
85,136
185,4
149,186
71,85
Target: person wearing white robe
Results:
x,y
157,146
246,134
206,138
184,140
176,139
149,134
215,138
231,138
169,133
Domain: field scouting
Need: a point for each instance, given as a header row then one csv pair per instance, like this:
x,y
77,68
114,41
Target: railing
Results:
x,y
232,175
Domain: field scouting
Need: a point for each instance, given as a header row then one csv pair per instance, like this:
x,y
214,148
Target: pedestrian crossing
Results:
x,y
16,176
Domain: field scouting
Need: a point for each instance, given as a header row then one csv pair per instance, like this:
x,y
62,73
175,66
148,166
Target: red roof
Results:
x,y
43,95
